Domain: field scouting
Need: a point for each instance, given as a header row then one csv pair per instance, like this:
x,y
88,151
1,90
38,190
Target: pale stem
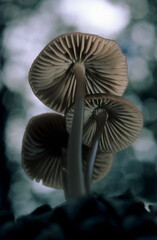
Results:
x,y
64,172
100,123
76,185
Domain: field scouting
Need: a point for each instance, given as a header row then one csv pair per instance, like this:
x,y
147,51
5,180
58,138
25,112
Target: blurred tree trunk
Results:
x,y
4,172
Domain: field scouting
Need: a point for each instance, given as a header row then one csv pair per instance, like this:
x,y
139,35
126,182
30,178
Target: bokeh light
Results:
x,y
99,17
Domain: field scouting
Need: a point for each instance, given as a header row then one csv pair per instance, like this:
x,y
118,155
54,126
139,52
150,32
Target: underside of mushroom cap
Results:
x,y
43,140
53,81
102,165
122,127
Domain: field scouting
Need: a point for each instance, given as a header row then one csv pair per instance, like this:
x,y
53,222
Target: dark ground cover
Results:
x,y
93,217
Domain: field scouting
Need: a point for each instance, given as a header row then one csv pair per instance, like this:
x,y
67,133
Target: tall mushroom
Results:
x,y
43,140
111,124
69,67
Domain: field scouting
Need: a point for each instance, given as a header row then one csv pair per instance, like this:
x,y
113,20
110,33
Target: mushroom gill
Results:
x,y
43,140
121,127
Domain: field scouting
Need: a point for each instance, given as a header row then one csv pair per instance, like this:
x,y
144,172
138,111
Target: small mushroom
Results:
x,y
111,124
43,140
68,68
121,122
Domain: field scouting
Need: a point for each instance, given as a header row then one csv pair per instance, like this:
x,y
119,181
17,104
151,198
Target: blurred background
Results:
x,y
26,26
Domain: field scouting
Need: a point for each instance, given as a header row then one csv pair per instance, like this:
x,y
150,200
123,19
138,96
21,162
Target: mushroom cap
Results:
x,y
43,140
53,81
122,127
102,165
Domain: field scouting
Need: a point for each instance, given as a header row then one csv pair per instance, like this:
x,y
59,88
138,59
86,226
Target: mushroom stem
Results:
x,y
76,185
100,122
64,172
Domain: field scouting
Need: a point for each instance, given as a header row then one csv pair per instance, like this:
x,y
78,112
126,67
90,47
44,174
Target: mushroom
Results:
x,y
56,71
122,121
111,124
44,145
68,68
43,140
